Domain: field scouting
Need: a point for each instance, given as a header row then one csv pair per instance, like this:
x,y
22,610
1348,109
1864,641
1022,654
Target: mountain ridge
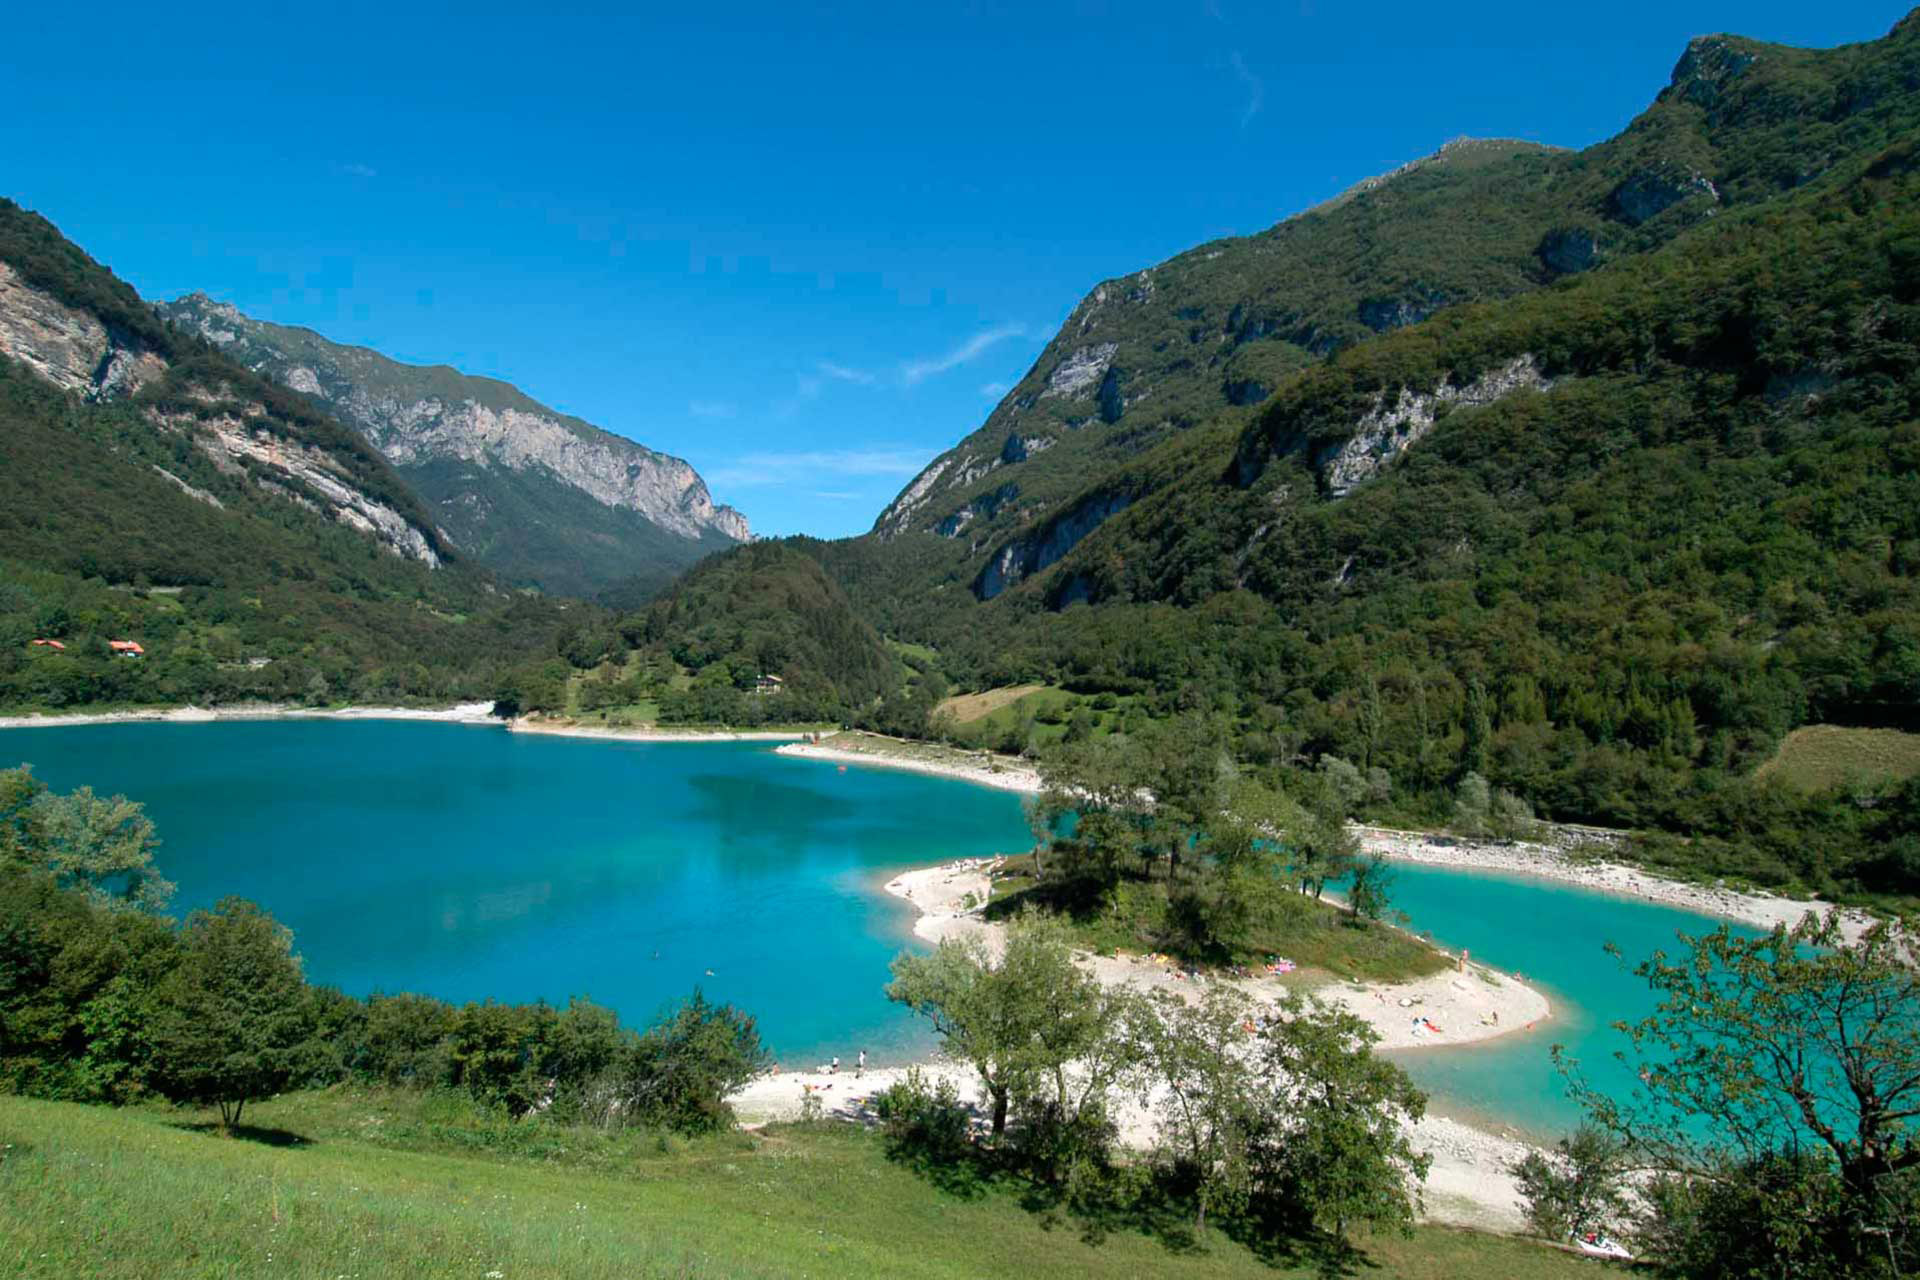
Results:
x,y
535,494
253,548
1207,335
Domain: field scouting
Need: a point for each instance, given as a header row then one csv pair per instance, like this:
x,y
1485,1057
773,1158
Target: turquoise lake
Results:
x,y
467,862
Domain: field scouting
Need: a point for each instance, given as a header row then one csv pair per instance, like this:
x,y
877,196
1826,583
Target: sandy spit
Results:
x,y
1470,1183
1023,780
463,713
562,729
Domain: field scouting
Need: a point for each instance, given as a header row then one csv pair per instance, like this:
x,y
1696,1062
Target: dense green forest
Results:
x,y
1613,596
1600,545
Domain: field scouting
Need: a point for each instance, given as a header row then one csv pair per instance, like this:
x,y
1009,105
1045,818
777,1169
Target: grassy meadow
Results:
x,y
370,1183
1827,755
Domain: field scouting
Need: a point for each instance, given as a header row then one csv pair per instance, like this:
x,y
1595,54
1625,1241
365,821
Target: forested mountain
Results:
x,y
537,496
1206,336
153,491
1600,532
768,610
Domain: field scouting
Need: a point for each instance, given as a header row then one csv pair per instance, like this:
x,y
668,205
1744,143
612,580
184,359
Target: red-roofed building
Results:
x,y
49,644
127,648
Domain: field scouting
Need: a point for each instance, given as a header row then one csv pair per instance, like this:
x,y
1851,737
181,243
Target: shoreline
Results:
x,y
521,724
476,713
1534,860
1021,780
470,713
1546,862
1470,1182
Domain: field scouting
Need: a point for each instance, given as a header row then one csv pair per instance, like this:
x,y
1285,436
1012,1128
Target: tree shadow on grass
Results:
x,y
246,1133
1159,1205
1112,1206
1281,1238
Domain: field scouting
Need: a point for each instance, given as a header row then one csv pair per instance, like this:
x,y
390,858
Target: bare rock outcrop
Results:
x,y
240,442
68,347
1391,428
1081,371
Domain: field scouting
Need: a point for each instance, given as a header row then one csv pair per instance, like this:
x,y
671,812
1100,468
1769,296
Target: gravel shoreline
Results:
x,y
609,734
462,713
1547,862
1022,780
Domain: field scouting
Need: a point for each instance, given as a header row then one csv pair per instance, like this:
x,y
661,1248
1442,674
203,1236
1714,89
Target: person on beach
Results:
x,y
833,1068
860,1066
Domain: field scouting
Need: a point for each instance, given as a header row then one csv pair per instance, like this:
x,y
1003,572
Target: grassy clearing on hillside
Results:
x,y
1826,755
1035,716
918,652
349,1183
965,708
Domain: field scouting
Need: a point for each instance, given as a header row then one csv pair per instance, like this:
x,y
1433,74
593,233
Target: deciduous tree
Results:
x,y
1790,1060
232,1013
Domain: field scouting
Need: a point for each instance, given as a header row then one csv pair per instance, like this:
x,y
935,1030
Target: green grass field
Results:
x,y
1825,755
357,1183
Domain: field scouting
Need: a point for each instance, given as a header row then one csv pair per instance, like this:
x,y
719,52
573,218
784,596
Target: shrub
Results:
x,y
680,1072
925,1125
1577,1189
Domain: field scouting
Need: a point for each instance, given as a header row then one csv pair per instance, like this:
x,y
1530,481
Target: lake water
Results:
x,y
467,862
1555,935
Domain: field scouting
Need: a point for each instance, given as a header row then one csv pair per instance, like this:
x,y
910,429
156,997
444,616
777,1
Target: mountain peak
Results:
x,y
1709,65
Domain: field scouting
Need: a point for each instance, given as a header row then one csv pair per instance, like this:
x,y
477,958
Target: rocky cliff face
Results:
x,y
71,348
82,354
241,443
609,470
534,493
1392,428
1028,555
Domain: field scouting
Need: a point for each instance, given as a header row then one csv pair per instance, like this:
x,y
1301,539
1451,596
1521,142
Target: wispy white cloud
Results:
x,y
712,409
841,373
972,349
810,467
810,384
994,390
1255,87
359,171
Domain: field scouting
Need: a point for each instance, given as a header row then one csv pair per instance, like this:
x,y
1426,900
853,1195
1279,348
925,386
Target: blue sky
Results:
x,y
802,246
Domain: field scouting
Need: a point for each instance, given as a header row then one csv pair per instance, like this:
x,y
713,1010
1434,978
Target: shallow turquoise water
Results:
x,y
467,862
1555,936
